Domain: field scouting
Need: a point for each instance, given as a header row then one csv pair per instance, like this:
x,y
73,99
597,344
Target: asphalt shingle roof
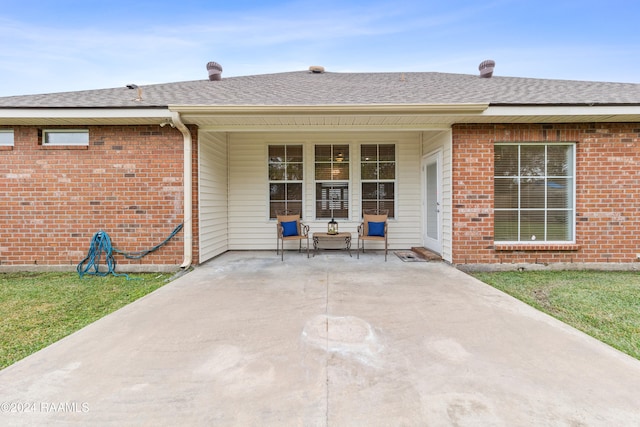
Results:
x,y
305,88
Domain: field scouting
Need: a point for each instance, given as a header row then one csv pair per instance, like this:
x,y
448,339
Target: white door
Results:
x,y
432,201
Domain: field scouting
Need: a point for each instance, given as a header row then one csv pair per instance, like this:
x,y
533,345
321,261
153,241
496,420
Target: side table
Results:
x,y
331,241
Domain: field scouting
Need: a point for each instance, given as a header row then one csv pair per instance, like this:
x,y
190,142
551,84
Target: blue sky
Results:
x,y
67,45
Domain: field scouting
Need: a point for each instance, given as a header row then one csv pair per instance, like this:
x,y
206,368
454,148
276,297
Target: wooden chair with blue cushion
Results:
x,y
373,227
290,227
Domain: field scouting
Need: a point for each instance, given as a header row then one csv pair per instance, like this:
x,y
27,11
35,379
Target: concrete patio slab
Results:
x,y
328,341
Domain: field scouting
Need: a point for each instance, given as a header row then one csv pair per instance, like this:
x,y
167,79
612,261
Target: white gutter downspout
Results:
x,y
188,188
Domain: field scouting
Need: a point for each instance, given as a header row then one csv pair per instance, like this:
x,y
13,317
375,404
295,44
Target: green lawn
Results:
x,y
605,305
38,309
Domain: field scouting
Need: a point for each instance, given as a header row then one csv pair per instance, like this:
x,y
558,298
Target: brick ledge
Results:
x,y
64,147
537,247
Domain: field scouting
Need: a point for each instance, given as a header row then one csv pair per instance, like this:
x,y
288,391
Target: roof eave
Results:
x,y
569,113
404,117
418,115
82,116
353,117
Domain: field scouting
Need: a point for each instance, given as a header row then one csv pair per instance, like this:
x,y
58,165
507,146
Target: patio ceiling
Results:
x,y
326,117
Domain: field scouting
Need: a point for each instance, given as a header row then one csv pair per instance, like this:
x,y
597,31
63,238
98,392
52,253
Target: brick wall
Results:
x,y
128,182
607,193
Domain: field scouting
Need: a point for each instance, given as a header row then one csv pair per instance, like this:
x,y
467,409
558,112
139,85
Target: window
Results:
x,y
285,178
6,137
534,192
378,175
332,181
65,137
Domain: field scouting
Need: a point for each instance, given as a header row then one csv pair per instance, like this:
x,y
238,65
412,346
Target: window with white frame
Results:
x,y
534,192
6,137
378,177
65,137
285,178
332,181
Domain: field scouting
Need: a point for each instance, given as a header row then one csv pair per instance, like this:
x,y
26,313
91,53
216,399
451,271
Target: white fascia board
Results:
x,y
331,109
562,110
84,113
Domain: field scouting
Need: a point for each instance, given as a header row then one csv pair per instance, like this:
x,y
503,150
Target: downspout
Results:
x,y
188,188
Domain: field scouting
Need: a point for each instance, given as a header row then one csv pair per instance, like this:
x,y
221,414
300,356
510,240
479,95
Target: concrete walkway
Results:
x,y
248,340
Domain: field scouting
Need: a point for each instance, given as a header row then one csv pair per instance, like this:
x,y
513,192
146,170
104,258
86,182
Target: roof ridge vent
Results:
x,y
486,68
316,69
215,71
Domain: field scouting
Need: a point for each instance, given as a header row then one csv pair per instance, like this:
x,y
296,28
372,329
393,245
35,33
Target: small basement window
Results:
x,y
6,137
65,137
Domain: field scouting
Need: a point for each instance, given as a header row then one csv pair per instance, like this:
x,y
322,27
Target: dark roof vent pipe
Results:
x,y
215,71
486,68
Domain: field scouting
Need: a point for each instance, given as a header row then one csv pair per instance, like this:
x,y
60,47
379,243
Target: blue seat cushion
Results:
x,y
376,229
289,228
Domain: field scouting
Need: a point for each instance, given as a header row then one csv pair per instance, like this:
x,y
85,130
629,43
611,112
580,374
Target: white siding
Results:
x,y
249,223
442,141
249,227
212,195
405,231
